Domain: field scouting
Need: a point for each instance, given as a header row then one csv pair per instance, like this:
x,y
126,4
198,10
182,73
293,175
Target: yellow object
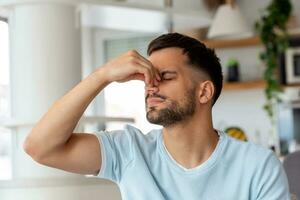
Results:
x,y
236,133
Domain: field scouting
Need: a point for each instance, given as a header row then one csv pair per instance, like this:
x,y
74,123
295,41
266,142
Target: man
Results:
x,y
186,160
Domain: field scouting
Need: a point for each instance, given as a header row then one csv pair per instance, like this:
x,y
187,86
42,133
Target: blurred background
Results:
x,y
48,46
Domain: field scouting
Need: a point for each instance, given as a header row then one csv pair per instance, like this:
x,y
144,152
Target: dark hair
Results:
x,y
201,57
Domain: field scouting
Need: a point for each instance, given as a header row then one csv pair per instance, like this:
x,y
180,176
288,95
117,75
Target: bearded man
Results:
x,y
185,160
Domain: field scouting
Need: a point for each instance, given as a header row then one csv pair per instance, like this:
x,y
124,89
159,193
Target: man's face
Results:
x,y
173,99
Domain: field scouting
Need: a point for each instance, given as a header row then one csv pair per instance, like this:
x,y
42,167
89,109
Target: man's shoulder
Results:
x,y
138,135
262,168
132,133
247,151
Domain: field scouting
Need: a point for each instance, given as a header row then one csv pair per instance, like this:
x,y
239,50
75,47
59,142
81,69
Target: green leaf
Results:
x,y
272,32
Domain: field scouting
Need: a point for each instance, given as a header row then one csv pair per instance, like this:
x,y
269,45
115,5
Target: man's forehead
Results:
x,y
168,59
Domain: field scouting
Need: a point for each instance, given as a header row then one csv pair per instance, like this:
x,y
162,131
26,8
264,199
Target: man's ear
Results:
x,y
206,92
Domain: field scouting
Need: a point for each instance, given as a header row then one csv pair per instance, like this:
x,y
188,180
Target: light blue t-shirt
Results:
x,y
144,170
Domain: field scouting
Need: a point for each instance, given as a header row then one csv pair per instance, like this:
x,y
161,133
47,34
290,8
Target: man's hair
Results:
x,y
202,58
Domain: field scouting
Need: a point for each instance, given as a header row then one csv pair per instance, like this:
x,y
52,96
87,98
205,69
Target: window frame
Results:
x,y
4,19
105,58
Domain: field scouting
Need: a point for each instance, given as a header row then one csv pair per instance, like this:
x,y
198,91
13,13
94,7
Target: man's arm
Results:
x,y
52,142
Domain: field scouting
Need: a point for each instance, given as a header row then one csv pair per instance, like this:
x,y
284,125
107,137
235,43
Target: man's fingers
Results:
x,y
145,62
150,70
151,74
157,75
147,74
154,71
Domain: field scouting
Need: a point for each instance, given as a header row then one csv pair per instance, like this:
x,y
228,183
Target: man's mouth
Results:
x,y
152,101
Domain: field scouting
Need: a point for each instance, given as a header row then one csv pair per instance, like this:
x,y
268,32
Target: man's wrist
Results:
x,y
102,75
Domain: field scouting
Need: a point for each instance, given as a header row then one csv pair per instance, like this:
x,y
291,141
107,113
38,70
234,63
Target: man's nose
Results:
x,y
155,82
152,89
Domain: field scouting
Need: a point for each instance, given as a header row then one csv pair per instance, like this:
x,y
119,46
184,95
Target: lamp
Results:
x,y
229,23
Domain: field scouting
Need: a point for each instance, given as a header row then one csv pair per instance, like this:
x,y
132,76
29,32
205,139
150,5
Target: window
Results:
x,y
5,135
126,99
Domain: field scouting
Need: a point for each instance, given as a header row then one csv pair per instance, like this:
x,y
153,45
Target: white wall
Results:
x,y
252,10
243,108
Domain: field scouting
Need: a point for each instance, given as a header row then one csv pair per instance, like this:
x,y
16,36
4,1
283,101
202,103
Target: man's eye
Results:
x,y
166,77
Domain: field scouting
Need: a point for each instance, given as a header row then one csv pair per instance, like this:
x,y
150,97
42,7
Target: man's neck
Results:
x,y
191,143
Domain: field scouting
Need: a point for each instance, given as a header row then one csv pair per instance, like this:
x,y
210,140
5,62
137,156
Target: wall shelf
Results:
x,y
296,85
256,84
245,42
245,85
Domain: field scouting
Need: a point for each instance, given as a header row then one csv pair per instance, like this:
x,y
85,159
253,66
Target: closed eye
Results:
x,y
168,75
167,79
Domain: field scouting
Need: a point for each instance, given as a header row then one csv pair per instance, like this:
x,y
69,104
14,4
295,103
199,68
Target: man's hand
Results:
x,y
81,153
131,66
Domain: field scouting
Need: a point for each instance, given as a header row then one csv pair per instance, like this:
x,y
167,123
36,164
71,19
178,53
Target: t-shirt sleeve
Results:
x,y
116,154
271,180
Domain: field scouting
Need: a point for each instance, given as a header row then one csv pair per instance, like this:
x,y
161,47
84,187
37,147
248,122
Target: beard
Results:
x,y
175,111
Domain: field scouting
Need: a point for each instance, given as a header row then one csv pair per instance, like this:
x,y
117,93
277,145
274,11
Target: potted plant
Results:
x,y
233,74
271,28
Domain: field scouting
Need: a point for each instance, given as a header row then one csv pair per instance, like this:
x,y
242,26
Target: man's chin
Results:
x,y
153,121
152,117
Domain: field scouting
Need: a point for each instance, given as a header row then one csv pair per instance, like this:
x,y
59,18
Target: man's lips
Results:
x,y
154,101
